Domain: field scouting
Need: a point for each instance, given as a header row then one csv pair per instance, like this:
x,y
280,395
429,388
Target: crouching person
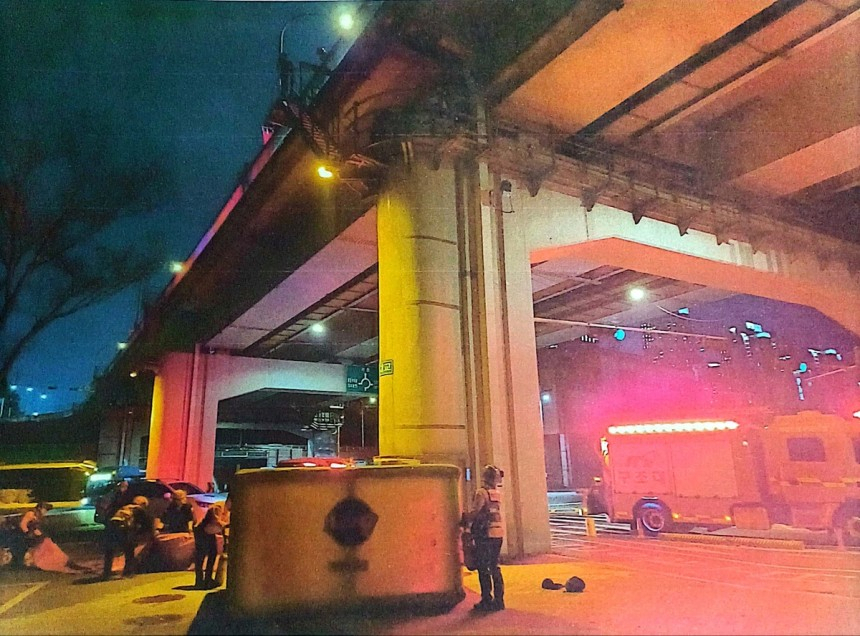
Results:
x,y
129,527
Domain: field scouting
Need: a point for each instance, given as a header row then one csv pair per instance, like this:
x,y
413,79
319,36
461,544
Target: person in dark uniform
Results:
x,y
206,543
26,533
178,516
113,501
129,526
488,530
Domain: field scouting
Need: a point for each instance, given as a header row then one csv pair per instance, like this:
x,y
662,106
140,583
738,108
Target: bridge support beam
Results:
x,y
457,334
186,392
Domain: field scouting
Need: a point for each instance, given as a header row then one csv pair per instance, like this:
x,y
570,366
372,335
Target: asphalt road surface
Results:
x,y
633,586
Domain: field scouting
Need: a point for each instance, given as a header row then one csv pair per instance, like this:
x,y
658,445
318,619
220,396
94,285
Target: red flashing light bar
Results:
x,y
675,427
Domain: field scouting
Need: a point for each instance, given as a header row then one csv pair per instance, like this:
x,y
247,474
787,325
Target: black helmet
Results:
x,y
492,475
574,584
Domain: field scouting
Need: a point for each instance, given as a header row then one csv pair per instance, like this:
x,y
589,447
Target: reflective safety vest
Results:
x,y
494,508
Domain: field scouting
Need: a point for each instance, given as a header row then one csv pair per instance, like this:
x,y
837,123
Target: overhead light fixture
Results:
x,y
324,172
133,374
177,267
346,21
636,294
318,328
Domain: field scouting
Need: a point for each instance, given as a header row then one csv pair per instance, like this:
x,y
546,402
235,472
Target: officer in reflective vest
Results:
x,y
488,530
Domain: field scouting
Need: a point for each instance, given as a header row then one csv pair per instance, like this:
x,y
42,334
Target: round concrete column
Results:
x,y
421,390
458,368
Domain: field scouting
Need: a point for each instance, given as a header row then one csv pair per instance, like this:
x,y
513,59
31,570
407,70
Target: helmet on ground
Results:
x,y
574,584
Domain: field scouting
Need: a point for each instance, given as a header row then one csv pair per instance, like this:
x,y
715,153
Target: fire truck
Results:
x,y
800,470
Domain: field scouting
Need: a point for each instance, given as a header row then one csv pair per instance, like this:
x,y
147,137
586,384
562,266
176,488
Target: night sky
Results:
x,y
184,84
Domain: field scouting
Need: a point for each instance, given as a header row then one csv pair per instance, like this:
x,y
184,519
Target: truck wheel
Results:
x,y
654,517
848,521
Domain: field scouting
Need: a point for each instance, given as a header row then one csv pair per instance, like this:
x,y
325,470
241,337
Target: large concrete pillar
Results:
x,y
183,422
458,370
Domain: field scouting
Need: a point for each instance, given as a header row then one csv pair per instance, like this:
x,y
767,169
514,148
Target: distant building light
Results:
x,y
619,335
785,357
44,396
29,389
13,387
177,267
685,311
122,346
133,374
636,294
713,365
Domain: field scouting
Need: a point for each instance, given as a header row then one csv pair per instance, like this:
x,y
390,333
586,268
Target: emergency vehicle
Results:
x,y
801,470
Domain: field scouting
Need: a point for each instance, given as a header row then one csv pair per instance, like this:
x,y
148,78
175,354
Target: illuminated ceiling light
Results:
x,y
545,397
318,328
346,21
133,374
177,267
122,346
636,294
324,172
619,335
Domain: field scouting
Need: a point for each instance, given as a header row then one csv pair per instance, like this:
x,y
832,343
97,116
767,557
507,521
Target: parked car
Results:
x,y
316,462
159,493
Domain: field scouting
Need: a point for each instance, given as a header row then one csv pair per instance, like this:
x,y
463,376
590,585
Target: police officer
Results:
x,y
488,530
129,526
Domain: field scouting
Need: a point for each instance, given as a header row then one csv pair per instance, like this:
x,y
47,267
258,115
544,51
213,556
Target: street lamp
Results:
x,y
286,68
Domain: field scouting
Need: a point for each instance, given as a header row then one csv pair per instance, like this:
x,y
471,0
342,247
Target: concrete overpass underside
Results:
x,y
503,173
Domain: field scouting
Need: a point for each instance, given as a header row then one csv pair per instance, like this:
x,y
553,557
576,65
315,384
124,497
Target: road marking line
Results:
x,y
20,597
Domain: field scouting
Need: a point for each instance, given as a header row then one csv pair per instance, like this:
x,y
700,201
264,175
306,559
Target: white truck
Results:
x,y
801,470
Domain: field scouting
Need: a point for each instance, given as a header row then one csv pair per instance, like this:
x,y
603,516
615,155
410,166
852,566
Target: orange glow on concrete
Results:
x,y
841,304
623,53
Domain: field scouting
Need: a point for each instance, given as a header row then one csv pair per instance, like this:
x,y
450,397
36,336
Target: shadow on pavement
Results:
x,y
214,617
89,580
